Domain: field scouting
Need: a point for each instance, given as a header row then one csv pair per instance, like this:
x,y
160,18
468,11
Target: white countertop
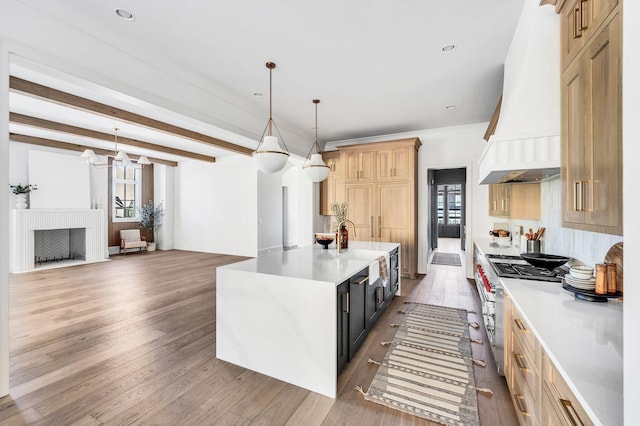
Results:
x,y
583,339
315,263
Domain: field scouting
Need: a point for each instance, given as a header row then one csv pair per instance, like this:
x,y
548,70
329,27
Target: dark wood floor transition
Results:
x,y
132,341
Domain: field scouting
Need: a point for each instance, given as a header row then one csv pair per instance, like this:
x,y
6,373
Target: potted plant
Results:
x,y
21,192
151,220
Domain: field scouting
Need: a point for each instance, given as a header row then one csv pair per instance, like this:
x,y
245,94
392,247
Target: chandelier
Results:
x,y
315,167
120,157
269,156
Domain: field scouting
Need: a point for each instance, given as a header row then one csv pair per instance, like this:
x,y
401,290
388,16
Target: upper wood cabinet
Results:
x,y
580,21
380,188
515,200
359,166
591,133
332,188
394,164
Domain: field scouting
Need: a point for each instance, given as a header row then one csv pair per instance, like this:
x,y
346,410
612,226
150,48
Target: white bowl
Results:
x,y
581,272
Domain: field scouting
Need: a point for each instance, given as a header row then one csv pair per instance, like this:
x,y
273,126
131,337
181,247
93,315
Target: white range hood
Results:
x,y
526,143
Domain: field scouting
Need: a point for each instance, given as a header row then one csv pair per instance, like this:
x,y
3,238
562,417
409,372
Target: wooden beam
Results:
x,y
79,131
33,140
491,128
64,98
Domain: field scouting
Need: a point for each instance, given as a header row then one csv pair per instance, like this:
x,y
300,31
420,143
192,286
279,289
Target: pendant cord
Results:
x,y
270,99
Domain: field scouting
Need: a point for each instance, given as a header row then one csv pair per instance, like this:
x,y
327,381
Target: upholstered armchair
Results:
x,y
131,238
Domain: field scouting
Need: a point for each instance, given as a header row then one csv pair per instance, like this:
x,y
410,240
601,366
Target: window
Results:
x,y
449,211
127,192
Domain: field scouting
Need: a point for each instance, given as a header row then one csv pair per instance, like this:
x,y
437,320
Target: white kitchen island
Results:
x,y
277,314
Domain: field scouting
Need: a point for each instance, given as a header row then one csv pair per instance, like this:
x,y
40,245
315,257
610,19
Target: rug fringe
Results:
x,y
474,325
478,341
485,391
385,343
479,362
370,361
359,389
402,312
394,325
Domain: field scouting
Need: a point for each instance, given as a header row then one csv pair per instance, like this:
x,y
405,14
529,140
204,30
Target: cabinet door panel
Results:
x,y
394,164
343,325
360,210
574,152
394,217
357,312
605,190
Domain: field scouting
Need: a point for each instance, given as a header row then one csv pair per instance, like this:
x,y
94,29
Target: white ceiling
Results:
x,y
376,65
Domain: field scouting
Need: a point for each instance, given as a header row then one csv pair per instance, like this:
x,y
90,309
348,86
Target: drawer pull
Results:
x,y
576,24
571,413
521,406
520,361
348,302
583,12
371,226
364,280
520,324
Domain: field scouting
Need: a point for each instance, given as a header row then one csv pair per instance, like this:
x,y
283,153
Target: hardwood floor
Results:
x,y
132,341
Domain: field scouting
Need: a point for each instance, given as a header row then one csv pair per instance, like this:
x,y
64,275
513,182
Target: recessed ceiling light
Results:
x,y
449,48
124,14
450,107
257,94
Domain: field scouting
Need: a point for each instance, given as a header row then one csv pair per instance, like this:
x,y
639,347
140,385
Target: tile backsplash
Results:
x,y
584,247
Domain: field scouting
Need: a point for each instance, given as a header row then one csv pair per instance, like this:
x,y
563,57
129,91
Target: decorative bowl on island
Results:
x,y
325,238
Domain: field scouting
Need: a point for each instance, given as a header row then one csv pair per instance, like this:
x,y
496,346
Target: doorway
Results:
x,y
447,205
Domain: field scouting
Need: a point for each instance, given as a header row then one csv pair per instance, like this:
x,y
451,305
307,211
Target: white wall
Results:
x,y
216,206
446,148
164,192
631,137
290,228
4,219
269,211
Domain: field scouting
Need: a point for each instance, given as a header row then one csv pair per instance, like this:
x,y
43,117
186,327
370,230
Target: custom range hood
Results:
x,y
526,144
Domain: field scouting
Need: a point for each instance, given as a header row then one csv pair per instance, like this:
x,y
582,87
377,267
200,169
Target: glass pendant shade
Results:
x,y
316,169
90,156
269,157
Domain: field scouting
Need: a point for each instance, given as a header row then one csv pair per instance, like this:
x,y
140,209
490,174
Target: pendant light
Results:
x,y
269,157
315,167
120,156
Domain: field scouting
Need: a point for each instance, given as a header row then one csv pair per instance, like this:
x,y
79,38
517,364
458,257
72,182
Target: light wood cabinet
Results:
x,y
380,189
539,394
591,132
515,201
580,20
332,188
359,166
393,164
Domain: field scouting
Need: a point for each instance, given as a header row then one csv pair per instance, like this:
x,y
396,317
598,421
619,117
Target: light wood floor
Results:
x,y
132,341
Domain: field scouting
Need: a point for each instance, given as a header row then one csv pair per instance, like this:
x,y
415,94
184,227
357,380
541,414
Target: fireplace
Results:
x,y
54,238
59,245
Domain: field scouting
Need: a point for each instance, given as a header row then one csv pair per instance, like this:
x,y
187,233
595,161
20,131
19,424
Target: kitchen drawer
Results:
x,y
523,401
526,364
561,398
523,331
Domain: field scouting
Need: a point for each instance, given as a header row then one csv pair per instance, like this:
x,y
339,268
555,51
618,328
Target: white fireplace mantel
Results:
x,y
23,223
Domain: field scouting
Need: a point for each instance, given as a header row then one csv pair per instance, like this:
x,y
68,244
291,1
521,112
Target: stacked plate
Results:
x,y
579,283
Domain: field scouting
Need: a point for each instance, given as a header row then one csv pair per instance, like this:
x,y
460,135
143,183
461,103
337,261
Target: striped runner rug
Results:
x,y
428,368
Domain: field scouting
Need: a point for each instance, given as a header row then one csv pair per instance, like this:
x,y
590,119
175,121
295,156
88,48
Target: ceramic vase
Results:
x,y
21,201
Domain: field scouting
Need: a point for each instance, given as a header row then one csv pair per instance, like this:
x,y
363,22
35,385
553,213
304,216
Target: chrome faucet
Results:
x,y
344,222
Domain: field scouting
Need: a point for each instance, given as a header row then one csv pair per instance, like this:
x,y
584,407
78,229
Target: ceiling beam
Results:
x,y
33,140
64,98
79,131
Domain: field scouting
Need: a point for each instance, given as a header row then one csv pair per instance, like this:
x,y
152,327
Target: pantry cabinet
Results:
x,y
591,99
380,189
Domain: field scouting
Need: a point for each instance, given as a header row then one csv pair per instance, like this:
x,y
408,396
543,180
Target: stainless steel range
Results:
x,y
489,270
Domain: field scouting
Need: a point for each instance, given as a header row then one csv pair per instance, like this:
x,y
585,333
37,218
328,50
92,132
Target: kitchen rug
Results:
x,y
450,259
428,369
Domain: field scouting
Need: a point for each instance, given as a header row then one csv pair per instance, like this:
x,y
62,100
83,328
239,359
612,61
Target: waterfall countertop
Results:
x,y
583,339
315,263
